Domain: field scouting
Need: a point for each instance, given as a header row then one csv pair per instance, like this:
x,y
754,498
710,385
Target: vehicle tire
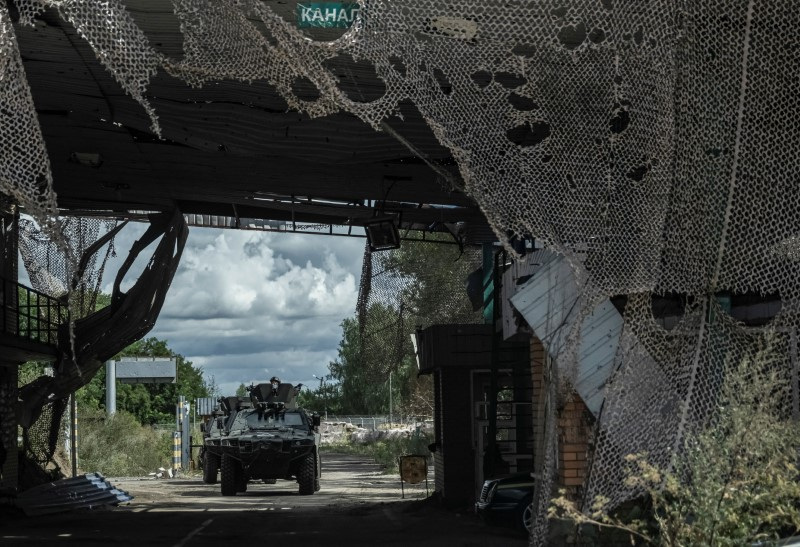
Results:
x,y
241,479
307,474
210,467
228,475
270,481
525,516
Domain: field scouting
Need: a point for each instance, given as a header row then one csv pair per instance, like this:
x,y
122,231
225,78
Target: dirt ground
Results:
x,y
357,505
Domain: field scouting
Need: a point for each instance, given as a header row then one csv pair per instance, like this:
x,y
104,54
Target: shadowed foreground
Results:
x,y
356,506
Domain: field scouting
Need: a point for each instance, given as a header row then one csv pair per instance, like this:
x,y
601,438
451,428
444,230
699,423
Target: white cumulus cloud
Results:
x,y
247,305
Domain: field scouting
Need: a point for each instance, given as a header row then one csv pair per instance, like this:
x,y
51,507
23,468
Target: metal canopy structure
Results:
x,y
230,150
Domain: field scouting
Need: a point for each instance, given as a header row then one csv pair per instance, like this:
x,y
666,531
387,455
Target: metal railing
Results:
x,y
29,314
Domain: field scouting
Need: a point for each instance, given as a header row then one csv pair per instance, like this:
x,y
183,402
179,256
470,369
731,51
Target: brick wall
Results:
x,y
537,355
574,427
574,433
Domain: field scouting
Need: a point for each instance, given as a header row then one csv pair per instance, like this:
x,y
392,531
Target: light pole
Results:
x,y
390,398
324,395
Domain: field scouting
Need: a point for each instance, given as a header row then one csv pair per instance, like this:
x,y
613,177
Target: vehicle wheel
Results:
x,y
525,517
210,467
307,475
228,475
270,481
241,479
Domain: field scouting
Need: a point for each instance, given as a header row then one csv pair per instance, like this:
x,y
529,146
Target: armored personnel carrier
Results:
x,y
264,436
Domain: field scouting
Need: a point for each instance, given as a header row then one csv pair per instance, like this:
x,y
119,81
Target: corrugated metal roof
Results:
x,y
513,278
205,406
550,304
87,491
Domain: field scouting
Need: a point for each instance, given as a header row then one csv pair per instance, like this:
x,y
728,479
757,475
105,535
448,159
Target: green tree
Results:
x,y
149,403
419,284
362,376
327,397
435,278
241,391
119,445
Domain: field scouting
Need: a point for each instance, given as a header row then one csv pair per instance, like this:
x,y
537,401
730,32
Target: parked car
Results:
x,y
508,501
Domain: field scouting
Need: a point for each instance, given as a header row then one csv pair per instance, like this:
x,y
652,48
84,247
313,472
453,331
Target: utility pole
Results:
x,y
111,387
73,433
324,394
390,398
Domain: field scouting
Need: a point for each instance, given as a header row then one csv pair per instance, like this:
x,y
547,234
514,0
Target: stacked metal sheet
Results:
x,y
88,491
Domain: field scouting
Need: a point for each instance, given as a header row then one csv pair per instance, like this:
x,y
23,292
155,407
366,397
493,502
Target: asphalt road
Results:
x,y
357,505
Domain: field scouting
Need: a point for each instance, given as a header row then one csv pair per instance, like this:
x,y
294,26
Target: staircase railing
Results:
x,y
30,314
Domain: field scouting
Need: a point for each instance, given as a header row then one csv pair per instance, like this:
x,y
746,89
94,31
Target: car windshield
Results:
x,y
258,420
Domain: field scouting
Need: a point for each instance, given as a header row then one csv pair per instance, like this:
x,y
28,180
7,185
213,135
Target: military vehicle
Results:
x,y
264,436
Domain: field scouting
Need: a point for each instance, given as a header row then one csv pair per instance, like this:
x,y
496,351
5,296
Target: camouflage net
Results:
x,y
24,166
43,438
401,291
652,143
53,272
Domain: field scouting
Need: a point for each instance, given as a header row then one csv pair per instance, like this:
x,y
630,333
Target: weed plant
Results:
x,y
118,445
736,481
385,451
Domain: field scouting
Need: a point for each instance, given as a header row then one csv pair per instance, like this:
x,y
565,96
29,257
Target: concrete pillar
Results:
x,y
111,388
73,433
9,371
9,453
185,434
9,234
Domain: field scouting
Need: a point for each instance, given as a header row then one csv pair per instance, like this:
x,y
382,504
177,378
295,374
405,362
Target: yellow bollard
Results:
x,y
176,451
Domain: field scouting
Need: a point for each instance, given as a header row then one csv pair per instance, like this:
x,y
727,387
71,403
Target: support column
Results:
x,y
111,388
9,233
9,216
73,433
492,450
9,452
9,371
538,373
185,435
574,431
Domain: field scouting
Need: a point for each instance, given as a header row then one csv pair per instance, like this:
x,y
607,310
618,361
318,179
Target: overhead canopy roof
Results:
x,y
230,149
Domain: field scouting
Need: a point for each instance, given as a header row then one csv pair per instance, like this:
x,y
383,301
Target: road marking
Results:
x,y
193,533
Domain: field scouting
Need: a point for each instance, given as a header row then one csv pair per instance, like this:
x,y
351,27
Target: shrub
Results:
x,y
385,450
736,481
118,445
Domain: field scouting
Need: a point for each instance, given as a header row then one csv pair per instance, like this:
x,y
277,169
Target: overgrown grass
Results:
x,y
119,446
385,451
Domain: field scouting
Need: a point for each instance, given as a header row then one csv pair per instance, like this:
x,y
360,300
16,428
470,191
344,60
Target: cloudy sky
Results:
x,y
247,305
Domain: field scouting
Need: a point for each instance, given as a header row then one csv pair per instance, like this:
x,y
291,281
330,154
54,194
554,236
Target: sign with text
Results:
x,y
327,14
